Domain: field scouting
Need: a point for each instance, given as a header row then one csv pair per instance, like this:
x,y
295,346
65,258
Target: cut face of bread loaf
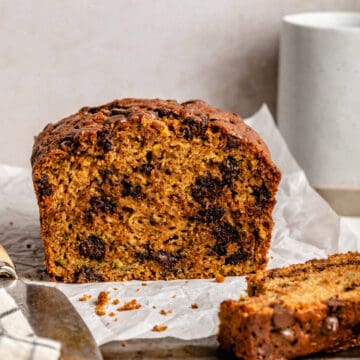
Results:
x,y
152,189
296,311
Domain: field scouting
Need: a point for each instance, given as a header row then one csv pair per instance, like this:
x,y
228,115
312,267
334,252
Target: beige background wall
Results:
x,y
56,56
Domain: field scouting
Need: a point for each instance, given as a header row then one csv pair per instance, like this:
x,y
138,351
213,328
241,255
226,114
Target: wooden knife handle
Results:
x,y
7,267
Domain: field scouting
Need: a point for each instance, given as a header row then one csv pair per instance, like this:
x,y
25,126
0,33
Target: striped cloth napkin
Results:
x,y
17,339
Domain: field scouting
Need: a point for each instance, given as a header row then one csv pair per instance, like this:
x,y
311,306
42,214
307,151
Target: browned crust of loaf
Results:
x,y
89,120
257,281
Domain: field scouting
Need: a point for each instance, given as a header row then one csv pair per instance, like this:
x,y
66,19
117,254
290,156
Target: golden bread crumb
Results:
x,y
166,312
102,300
159,328
219,278
130,305
85,297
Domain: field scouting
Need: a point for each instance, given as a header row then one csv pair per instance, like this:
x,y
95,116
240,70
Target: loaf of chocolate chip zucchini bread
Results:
x,y
295,311
153,189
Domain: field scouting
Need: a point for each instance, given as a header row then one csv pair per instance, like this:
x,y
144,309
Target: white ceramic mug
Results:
x,y
319,96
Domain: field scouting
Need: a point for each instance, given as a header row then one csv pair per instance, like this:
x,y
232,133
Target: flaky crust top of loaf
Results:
x,y
72,132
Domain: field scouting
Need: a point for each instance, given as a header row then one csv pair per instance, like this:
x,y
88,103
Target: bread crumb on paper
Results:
x,y
130,305
85,297
100,311
166,312
159,328
219,278
102,300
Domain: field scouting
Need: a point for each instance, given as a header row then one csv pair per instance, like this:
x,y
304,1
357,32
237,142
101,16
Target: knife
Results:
x,y
49,313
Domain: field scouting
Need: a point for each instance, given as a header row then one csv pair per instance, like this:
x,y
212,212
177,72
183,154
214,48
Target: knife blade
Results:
x,y
50,314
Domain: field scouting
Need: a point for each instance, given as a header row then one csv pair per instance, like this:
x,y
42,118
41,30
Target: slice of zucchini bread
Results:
x,y
153,189
295,311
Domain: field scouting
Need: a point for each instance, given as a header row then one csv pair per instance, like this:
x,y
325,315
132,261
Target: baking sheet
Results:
x,y
306,227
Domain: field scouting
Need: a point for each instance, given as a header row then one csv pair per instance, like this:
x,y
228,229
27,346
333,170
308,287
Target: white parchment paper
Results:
x,y
306,227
